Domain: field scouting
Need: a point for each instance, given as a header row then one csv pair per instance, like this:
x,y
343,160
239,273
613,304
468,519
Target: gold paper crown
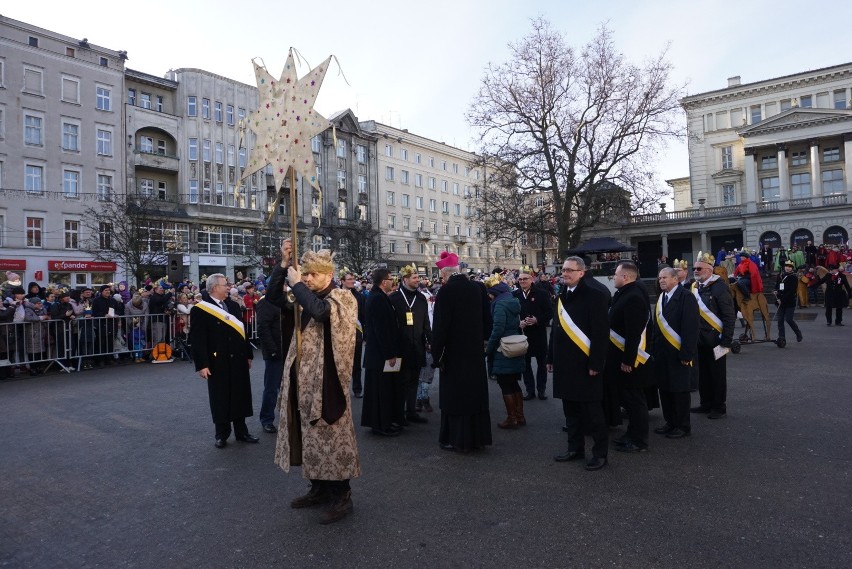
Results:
x,y
493,280
680,264
408,270
321,262
342,272
745,251
706,258
528,270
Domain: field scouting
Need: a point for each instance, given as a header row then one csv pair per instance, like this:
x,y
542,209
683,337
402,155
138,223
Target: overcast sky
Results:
x,y
418,65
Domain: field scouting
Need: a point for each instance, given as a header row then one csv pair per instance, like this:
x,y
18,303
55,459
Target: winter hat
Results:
x,y
13,278
447,260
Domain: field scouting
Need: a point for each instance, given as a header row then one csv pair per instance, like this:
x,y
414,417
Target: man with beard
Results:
x,y
412,317
536,312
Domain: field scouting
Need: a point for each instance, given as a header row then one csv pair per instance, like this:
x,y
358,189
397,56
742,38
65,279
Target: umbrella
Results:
x,y
600,245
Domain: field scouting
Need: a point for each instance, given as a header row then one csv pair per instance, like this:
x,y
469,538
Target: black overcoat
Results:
x,y
217,346
681,312
460,321
381,331
717,298
537,303
629,316
587,307
412,339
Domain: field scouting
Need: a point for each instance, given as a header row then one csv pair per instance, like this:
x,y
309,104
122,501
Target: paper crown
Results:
x,y
528,270
745,251
493,280
407,271
680,264
705,258
321,262
447,260
342,272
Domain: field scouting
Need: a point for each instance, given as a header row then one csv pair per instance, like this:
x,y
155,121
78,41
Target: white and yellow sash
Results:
x,y
714,321
358,326
577,336
224,316
672,336
641,355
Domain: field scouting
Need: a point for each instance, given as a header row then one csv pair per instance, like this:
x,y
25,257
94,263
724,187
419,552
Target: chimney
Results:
x,y
734,81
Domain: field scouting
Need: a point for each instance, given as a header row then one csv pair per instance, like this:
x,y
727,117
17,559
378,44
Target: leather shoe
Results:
x,y
717,415
569,455
447,446
247,438
415,418
677,433
596,463
565,428
699,409
529,397
542,396
385,432
270,428
359,395
630,446
664,430
799,337
839,324
220,443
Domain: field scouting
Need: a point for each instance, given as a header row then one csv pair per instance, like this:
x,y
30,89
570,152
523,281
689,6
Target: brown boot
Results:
x,y
340,508
510,422
418,407
318,494
427,406
519,409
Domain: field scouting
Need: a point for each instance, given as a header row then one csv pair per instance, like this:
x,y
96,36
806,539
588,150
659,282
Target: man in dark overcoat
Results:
x,y
536,313
383,391
675,352
412,318
627,362
461,323
268,320
576,356
610,401
222,356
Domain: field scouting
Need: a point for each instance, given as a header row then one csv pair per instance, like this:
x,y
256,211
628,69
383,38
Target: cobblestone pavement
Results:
x,y
116,468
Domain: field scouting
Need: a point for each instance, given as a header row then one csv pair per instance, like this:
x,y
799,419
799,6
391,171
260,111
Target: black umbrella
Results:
x,y
600,245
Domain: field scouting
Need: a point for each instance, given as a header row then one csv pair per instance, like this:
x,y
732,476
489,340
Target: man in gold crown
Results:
x,y
682,268
715,329
315,428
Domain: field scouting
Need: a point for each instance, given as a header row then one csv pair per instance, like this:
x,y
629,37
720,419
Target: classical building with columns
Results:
x,y
769,162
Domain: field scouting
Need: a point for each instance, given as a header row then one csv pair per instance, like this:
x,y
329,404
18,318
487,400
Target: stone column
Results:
x,y
783,176
816,176
750,180
704,241
847,163
665,238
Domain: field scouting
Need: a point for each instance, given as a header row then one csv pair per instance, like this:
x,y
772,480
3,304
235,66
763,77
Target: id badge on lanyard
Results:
x,y
409,318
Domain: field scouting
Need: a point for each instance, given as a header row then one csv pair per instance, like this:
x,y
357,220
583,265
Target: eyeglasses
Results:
x,y
572,270
699,268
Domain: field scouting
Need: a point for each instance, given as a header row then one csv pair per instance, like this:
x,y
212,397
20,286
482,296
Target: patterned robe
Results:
x,y
329,452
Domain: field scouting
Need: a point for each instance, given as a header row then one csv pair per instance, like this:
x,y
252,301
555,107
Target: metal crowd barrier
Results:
x,y
34,344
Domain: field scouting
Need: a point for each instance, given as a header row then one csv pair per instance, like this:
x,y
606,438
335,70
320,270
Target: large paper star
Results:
x,y
286,121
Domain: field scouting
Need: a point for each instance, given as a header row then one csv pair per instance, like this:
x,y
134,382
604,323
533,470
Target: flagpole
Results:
x,y
297,312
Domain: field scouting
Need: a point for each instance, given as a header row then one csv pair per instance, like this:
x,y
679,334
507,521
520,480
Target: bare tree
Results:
x,y
135,232
356,245
581,126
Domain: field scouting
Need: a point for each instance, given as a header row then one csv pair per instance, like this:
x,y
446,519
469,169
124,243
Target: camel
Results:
x,y
756,302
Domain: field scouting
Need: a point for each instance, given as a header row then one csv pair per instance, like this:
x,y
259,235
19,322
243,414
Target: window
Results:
x,y
406,223
457,209
341,179
389,173
217,111
418,180
33,41
341,148
220,153
103,102
159,103
390,198
242,153
193,191
231,154
35,226
33,81
104,62
70,137
403,154
104,188
785,105
799,158
392,247
728,195
406,200
205,150
840,99
104,142
2,228
131,97
831,154
455,188
192,149
445,207
806,101
145,100
162,191
33,130
832,182
446,229
445,186
362,183
33,179
241,114
361,154
727,158
403,176
146,187
431,162
105,235
467,171
229,114
205,108
800,185
432,183
72,234
408,247
417,158
146,144
388,150
391,222
769,162
2,116
433,205
418,201
444,165
769,189
206,193
191,106
220,193
755,114
70,89
71,183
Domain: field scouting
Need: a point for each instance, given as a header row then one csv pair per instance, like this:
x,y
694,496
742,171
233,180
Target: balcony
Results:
x,y
156,162
423,236
460,239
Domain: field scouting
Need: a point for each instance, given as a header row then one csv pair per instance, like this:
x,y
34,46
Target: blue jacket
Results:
x,y
506,312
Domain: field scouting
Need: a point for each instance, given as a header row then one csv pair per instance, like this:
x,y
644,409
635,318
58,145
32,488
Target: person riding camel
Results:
x,y
748,274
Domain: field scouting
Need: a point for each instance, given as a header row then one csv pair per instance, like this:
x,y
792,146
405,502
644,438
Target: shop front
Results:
x,y
211,264
17,266
80,274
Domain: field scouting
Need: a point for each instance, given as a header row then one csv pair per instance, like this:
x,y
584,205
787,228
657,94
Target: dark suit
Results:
x,y
629,316
413,339
835,296
383,392
580,392
673,377
357,367
537,302
713,373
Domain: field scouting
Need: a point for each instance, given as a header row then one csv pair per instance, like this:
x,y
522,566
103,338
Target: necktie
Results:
x,y
665,299
222,306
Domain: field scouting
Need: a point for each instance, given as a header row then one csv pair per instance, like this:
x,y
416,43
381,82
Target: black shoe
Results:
x,y
447,446
247,438
664,430
270,428
717,415
829,324
839,324
799,337
542,396
415,418
630,446
529,397
220,443
569,455
385,432
677,433
700,409
318,494
397,427
565,428
359,395
622,440
595,463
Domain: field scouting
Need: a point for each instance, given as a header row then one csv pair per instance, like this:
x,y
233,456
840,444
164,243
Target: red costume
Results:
x,y
748,267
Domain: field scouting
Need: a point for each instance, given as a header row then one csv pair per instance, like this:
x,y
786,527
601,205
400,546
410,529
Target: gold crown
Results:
x,y
321,262
680,264
408,270
342,272
706,258
493,280
528,270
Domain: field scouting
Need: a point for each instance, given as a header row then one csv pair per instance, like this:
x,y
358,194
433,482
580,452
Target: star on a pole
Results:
x,y
285,122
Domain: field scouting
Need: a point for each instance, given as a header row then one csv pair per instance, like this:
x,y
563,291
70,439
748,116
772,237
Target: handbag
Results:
x,y
513,346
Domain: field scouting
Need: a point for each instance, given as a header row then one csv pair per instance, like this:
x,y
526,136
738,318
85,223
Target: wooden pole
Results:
x,y
297,312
